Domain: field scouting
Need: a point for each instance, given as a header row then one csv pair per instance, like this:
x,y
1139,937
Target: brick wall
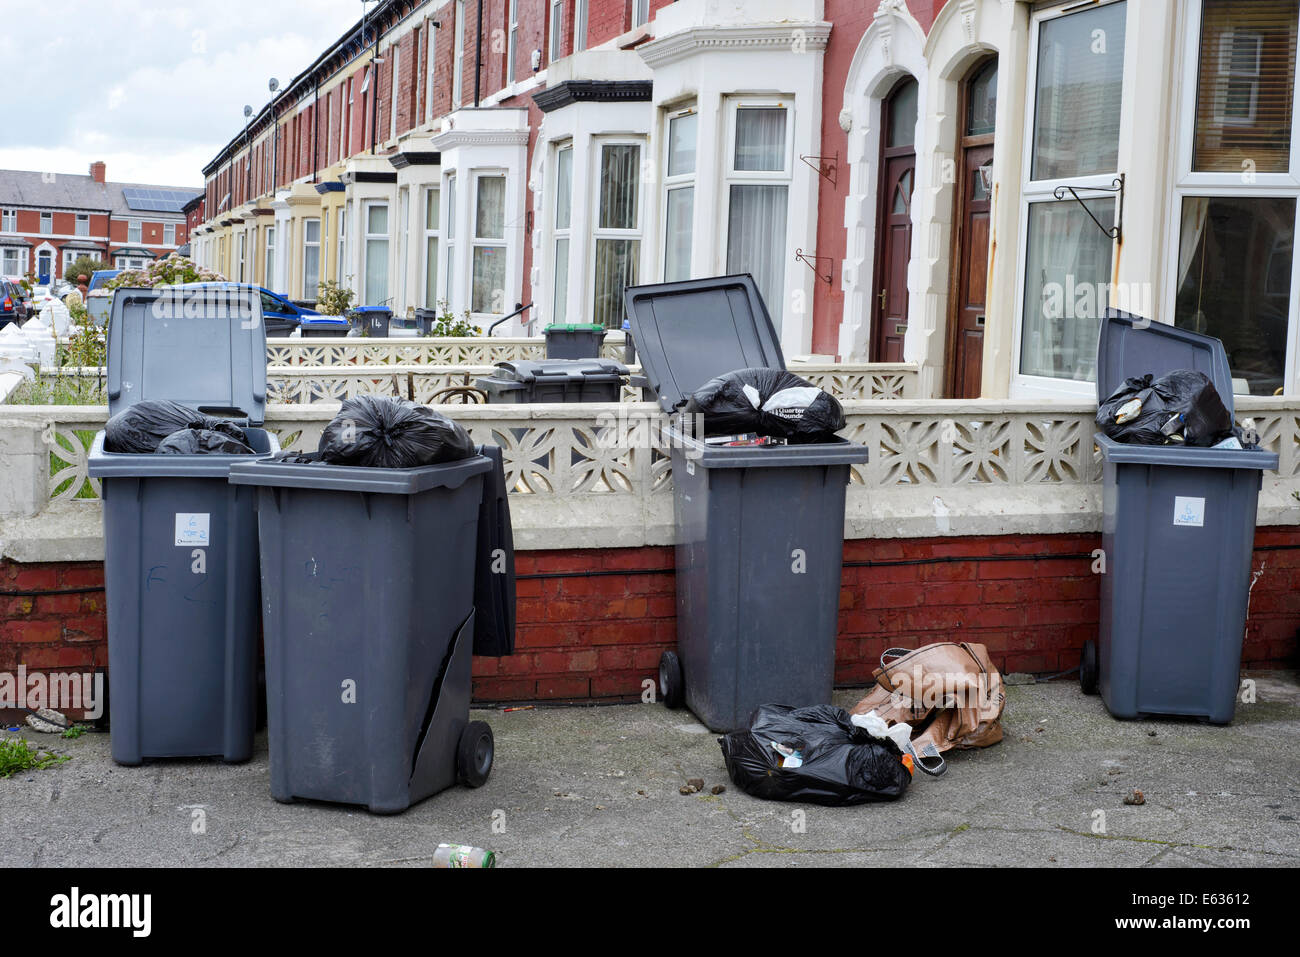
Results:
x,y
1030,599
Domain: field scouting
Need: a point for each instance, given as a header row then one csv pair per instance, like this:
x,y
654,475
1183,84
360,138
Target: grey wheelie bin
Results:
x,y
180,543
379,585
574,340
760,530
1178,531
554,380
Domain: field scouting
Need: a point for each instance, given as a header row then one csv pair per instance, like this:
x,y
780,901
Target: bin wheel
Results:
x,y
672,688
474,754
1088,668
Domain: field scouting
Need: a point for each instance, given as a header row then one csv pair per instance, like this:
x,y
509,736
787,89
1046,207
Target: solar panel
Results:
x,y
156,200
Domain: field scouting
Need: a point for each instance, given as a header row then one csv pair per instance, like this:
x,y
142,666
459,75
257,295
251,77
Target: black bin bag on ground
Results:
x,y
202,442
1147,405
380,432
841,764
767,401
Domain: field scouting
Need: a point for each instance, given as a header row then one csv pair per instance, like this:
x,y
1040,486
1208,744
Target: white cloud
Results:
x,y
153,88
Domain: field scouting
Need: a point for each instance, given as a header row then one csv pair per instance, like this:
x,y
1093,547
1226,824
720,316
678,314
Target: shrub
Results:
x,y
333,299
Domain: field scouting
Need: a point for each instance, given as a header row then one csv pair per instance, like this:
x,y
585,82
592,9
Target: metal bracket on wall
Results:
x,y
1115,232
812,263
824,165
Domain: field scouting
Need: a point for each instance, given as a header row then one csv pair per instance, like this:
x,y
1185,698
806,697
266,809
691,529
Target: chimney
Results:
x,y
97,171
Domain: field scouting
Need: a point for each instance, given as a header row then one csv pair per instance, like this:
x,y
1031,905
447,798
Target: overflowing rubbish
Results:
x,y
463,855
948,695
817,755
374,431
771,402
1180,408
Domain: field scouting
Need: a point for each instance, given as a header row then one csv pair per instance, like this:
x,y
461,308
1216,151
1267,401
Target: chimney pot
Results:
x,y
97,171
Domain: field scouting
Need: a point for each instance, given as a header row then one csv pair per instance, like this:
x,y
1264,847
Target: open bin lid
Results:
x,y
1126,350
688,332
203,346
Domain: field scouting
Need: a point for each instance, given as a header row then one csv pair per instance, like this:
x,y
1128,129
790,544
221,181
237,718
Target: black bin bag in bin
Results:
x,y
142,426
767,401
816,755
380,432
1140,412
202,442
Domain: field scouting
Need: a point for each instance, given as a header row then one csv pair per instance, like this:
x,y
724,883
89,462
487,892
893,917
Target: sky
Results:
x,y
154,89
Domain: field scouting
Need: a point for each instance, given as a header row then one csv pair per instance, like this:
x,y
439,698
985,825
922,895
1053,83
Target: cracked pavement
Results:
x,y
598,786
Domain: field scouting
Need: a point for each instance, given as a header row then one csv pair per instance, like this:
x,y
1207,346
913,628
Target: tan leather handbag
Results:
x,y
949,692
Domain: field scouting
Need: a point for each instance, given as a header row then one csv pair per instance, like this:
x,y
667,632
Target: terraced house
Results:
x,y
958,185
49,220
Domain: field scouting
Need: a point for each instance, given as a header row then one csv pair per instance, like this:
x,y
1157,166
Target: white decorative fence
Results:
x,y
935,468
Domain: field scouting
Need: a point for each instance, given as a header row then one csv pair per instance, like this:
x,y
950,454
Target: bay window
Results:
x,y
679,193
340,266
618,230
1077,80
487,293
375,269
310,258
11,261
563,221
1235,201
449,281
758,192
431,247
269,275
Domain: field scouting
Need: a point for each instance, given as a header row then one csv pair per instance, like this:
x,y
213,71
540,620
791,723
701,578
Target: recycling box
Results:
x,y
1178,532
760,530
180,542
574,340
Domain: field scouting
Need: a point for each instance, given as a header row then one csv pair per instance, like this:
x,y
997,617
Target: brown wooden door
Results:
x,y
894,223
972,278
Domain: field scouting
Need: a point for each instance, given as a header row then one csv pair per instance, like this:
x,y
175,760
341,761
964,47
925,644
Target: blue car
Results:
x,y
280,314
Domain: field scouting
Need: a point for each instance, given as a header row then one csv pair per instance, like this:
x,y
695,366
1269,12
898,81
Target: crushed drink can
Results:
x,y
463,855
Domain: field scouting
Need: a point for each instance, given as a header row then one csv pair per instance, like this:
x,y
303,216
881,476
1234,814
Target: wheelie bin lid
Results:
x,y
553,370
688,332
1132,346
202,346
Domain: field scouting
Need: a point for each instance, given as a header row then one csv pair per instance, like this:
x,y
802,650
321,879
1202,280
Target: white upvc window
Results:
x,y
11,261
268,278
1065,260
431,234
395,52
340,265
458,57
403,245
431,61
758,168
579,25
375,268
563,224
640,12
169,234
69,257
134,231
343,125
311,247
8,220
239,272
1235,205
449,274
512,41
678,209
616,259
555,45
47,224
83,224
488,287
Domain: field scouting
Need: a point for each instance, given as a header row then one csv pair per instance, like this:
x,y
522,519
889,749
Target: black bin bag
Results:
x,y
202,442
1148,404
767,401
380,432
494,575
816,755
142,426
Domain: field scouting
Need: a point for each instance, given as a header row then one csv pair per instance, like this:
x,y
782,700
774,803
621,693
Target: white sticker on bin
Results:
x,y
1189,511
192,528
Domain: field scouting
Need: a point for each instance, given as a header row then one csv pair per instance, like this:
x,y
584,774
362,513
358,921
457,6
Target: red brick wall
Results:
x,y
599,636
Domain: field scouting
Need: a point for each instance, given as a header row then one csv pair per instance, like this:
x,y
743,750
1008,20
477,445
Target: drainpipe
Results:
x,y
478,52
374,94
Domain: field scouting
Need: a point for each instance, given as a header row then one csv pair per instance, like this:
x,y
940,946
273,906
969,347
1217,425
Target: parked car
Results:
x,y
13,307
280,314
99,278
98,299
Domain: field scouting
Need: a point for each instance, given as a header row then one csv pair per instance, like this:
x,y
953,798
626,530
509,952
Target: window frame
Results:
x,y
432,230
169,228
670,182
45,230
449,238
318,245
366,238
268,267
512,40
9,216
1035,191
1190,184
82,219
554,30
559,233
598,232
135,231
458,57
478,242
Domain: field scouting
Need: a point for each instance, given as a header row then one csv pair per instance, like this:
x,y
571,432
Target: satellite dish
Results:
x,y
274,84
248,111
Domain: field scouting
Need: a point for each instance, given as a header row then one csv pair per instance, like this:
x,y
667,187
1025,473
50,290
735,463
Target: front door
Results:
x,y
967,313
894,223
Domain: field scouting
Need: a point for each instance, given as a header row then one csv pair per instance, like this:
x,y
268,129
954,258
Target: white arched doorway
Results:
x,y
890,50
